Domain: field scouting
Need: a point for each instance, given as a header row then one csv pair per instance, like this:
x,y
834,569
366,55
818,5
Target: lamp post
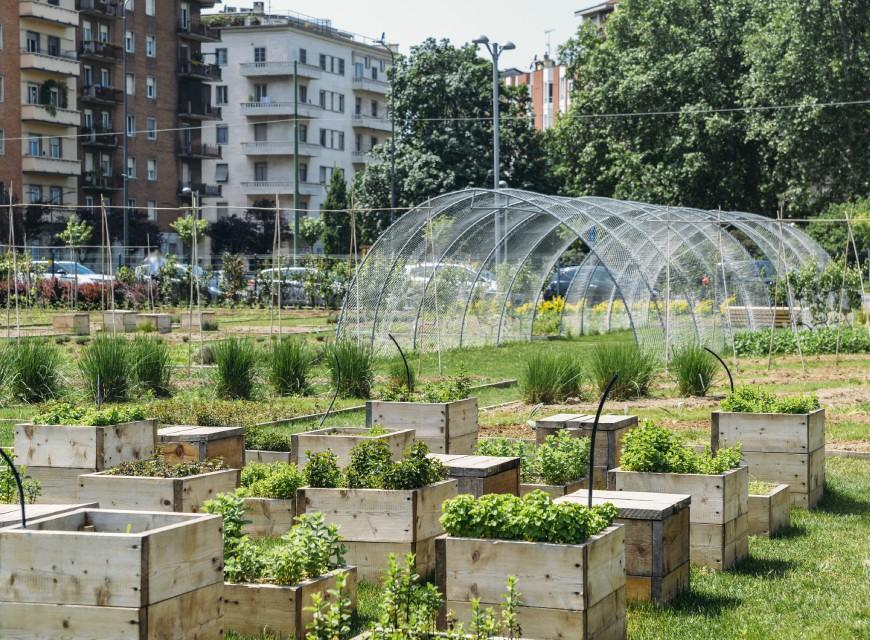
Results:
x,y
392,53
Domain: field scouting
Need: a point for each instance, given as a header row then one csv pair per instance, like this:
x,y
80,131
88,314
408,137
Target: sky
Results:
x,y
407,22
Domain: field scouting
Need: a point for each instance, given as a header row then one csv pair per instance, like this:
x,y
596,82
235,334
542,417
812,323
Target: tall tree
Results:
x,y
336,221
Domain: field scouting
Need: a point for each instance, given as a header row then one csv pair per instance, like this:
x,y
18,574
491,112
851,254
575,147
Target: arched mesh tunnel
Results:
x,y
470,267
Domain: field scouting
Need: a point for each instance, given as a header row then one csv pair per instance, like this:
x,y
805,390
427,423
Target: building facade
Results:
x,y
595,11
340,109
549,86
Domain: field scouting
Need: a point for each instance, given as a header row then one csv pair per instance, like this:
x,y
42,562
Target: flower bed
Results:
x,y
342,440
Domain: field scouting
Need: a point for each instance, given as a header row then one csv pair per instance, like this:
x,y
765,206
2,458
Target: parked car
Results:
x,y
600,283
68,271
459,275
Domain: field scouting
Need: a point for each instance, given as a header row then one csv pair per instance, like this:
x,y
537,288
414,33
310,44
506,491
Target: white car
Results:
x,y
68,271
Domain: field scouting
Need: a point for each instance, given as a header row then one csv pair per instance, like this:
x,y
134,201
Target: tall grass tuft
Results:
x,y
693,368
290,361
105,367
149,357
30,370
636,368
350,368
550,377
398,378
236,361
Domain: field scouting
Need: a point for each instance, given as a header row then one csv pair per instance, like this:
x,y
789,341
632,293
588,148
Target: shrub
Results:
x,y
754,399
636,369
414,470
694,369
550,377
66,413
31,369
447,389
322,470
350,368
213,412
236,361
279,480
289,363
266,440
654,449
105,367
157,467
151,370
369,461
510,448
563,458
9,488
398,377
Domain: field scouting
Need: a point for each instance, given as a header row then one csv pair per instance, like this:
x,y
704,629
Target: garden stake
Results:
x,y
727,370
20,486
404,359
595,430
335,394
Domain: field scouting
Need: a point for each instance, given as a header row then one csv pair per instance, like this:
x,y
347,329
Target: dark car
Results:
x,y
599,288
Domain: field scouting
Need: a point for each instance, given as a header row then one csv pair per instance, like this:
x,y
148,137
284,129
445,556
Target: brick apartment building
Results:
x,y
549,87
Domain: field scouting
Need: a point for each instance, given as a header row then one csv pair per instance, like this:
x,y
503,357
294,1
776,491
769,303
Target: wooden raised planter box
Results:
x,y
479,475
159,322
375,523
183,443
719,515
569,592
269,517
264,456
76,323
120,321
656,541
282,610
184,495
342,440
769,513
781,448
198,319
554,490
81,576
56,455
446,427
10,514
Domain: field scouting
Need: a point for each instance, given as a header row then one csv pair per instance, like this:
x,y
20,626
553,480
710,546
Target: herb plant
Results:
x,y
448,389
563,458
236,361
754,399
69,414
30,370
694,369
636,368
654,449
278,480
105,367
266,440
158,468
9,488
289,363
322,470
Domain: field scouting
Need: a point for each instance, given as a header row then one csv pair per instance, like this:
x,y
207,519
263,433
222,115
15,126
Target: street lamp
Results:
x,y
392,53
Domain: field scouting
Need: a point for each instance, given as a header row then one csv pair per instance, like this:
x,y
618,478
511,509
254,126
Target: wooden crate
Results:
x,y
198,318
57,485
376,522
342,440
181,443
269,517
84,447
569,592
76,323
263,456
120,321
779,447
184,495
283,610
159,322
553,490
108,583
447,427
769,513
656,541
11,513
718,516
478,475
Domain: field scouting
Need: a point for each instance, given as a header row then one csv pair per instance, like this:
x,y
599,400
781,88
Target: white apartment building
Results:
x,y
342,110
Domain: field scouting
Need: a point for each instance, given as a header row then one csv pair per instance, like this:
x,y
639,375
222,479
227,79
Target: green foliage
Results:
x,y
819,341
819,289
409,607
29,369
266,440
234,280
183,226
754,399
151,369
562,458
510,448
66,413
335,234
636,369
350,368
105,367
694,369
330,613
398,382
9,488
157,467
832,235
76,232
322,470
278,480
414,470
760,488
236,361
550,377
213,412
369,462
534,518
289,363
448,389
654,449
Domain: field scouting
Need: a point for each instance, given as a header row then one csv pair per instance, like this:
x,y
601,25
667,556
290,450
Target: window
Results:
x,y
222,209
331,139
34,145
185,15
151,128
54,148
222,134
323,61
53,48
90,203
2,89
303,173
131,203
331,64
88,73
1,36
358,70
106,119
104,33
259,54
221,56
32,94
332,101
56,195
150,8
261,171
374,73
373,142
131,125
32,42
303,133
129,42
106,164
303,94
34,193
374,108
105,78
151,46
2,142
261,92
152,169
151,87
152,210
358,106
221,172
89,118
368,61
325,174
131,167
303,56
128,5
220,94
341,66
358,146
261,132
131,84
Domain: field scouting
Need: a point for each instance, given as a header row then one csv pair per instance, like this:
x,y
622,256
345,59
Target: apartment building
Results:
x,y
595,11
341,105
549,86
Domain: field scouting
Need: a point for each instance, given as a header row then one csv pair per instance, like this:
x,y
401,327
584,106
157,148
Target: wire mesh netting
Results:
x,y
471,268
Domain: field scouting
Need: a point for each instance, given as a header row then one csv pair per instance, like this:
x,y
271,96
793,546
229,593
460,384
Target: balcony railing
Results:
x,y
279,68
197,111
98,137
101,50
371,122
59,61
96,93
59,12
199,31
99,8
199,150
205,190
361,83
96,181
194,69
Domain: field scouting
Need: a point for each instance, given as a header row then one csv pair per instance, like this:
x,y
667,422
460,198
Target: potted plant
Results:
x,y
269,492
271,585
382,506
655,459
266,446
571,557
782,439
769,506
155,485
441,414
342,440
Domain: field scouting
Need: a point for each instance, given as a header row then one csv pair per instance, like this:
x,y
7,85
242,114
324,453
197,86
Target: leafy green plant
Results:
x,y
512,448
9,488
236,361
448,389
550,377
693,368
414,470
636,369
397,378
266,439
754,399
278,480
157,467
330,614
563,458
289,363
350,368
105,367
31,369
369,463
66,413
760,488
322,470
652,448
151,371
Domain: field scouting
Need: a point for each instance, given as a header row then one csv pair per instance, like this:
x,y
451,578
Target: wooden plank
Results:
x,y
639,544
58,485
606,620
770,432
428,508
639,505
538,623
505,482
607,422
266,457
269,517
371,559
553,490
342,440
605,568
195,615
474,466
33,621
462,421
11,513
444,427
675,541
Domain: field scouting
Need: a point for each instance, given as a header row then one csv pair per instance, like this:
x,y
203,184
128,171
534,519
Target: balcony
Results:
x,y
371,86
278,68
194,111
270,108
199,71
363,157
277,148
63,63
374,123
50,115
58,12
206,4
199,150
95,181
98,8
199,32
98,137
102,95
101,51
46,164
205,190
271,187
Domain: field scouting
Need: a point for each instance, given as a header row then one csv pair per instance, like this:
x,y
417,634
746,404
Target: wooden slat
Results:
x,y
445,427
30,621
635,504
538,623
11,513
342,440
269,517
371,559
554,490
607,422
770,432
266,457
193,615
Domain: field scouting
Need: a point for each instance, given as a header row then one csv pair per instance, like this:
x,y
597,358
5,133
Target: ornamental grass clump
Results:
x,y
30,370
754,399
289,363
106,368
236,361
549,377
694,369
150,364
654,449
351,368
636,368
278,480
